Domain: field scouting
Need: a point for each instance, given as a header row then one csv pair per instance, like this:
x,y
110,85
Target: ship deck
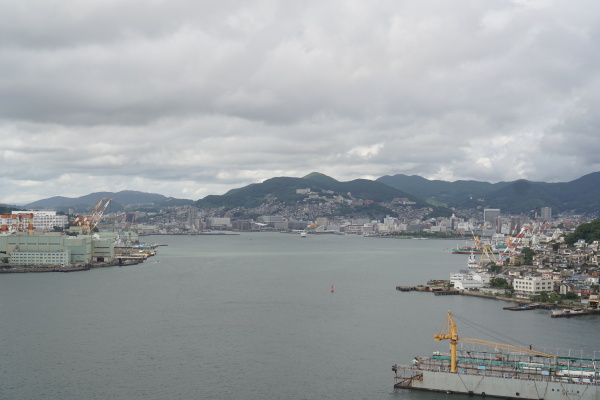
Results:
x,y
565,369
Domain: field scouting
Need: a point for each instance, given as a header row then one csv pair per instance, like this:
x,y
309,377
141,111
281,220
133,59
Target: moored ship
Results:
x,y
502,370
473,250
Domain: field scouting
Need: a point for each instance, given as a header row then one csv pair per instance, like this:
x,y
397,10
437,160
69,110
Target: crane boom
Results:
x,y
449,333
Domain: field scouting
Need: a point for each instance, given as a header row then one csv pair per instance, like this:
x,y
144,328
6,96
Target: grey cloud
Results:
x,y
197,98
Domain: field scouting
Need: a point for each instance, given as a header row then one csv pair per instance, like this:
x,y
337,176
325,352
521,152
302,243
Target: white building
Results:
x,y
44,220
465,280
532,285
58,257
214,222
468,284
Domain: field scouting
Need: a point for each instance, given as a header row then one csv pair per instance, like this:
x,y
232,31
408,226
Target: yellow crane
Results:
x,y
449,333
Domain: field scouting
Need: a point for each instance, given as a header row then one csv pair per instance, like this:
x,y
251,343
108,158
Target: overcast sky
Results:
x,y
191,98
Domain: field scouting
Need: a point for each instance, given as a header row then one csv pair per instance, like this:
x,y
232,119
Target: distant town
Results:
x,y
522,257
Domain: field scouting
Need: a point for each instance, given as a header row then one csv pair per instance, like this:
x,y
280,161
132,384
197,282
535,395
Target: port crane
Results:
x,y
449,332
89,222
514,243
99,212
487,254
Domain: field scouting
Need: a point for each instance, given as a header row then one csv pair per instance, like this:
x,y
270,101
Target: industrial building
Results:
x,y
54,249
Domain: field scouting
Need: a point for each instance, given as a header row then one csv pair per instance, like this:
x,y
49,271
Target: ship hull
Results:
x,y
506,388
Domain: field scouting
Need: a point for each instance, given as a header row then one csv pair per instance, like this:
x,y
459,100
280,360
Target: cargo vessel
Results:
x,y
501,370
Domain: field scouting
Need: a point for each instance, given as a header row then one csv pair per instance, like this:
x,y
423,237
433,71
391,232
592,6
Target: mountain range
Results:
x,y
120,201
580,196
284,189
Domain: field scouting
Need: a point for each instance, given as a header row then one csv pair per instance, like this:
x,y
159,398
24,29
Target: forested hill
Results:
x,y
284,190
581,195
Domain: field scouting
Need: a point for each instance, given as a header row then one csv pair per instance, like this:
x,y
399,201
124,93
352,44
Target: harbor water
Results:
x,y
249,316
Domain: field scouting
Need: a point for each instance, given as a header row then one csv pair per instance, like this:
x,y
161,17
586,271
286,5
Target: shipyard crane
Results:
x,y
449,333
97,206
514,243
487,254
89,222
98,213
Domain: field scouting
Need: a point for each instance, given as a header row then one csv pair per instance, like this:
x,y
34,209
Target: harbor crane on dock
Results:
x,y
514,243
449,333
89,222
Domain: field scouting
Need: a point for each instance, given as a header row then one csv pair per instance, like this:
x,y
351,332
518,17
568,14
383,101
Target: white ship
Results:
x,y
504,371
472,263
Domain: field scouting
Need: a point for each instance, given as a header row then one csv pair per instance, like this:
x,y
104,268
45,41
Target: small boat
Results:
x,y
303,234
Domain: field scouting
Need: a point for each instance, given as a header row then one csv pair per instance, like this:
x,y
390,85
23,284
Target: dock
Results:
x,y
575,312
450,292
435,290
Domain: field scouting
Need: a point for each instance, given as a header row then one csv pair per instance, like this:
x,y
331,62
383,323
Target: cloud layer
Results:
x,y
195,98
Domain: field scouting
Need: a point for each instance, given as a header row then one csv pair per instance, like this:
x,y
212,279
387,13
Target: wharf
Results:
x,y
573,312
414,288
446,292
435,290
18,269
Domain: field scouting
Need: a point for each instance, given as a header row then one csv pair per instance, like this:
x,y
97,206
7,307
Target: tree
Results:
x,y
555,298
528,254
499,283
543,297
571,296
589,232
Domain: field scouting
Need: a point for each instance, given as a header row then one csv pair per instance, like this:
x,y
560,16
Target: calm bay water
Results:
x,y
247,316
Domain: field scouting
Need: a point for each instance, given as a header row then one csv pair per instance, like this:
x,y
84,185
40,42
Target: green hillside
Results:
x,y
283,190
449,193
581,195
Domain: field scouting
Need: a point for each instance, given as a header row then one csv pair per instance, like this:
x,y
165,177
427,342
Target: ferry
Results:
x,y
501,370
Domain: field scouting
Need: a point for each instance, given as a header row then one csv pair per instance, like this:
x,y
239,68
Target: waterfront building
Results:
x,y
464,280
193,219
43,220
57,258
322,221
54,249
532,285
267,219
219,223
